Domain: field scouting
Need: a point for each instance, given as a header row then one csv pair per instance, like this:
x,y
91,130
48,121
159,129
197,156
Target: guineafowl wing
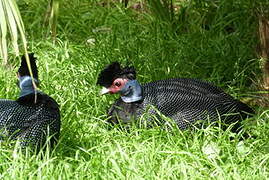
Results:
x,y
189,100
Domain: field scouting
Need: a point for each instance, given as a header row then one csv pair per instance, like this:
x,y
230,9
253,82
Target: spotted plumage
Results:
x,y
186,101
34,116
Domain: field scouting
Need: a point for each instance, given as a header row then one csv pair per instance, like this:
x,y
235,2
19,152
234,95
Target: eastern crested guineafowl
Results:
x,y
184,100
34,116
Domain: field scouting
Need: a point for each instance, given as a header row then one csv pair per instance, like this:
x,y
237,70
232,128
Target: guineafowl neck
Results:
x,y
131,92
26,85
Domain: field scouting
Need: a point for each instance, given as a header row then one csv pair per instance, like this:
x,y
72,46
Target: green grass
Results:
x,y
89,148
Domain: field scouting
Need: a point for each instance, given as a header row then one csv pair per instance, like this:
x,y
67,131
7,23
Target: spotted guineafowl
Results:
x,y
34,116
186,101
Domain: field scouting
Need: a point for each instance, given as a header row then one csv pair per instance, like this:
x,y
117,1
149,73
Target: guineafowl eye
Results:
x,y
117,84
187,101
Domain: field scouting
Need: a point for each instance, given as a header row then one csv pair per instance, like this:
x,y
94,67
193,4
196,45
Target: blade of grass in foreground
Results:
x,y
13,29
10,17
3,35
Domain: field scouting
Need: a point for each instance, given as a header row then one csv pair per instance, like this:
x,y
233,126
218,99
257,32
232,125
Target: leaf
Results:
x,y
13,29
3,35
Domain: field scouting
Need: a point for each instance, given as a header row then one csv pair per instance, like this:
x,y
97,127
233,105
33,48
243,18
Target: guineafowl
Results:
x,y
34,116
186,101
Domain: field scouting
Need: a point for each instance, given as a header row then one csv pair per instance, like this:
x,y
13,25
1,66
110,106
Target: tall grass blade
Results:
x,y
17,17
54,17
10,17
13,29
162,9
51,18
3,35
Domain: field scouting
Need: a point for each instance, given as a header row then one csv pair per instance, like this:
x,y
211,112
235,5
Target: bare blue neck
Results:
x,y
26,85
131,92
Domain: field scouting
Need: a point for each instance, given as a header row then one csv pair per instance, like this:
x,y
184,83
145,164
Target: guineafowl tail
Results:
x,y
245,110
23,69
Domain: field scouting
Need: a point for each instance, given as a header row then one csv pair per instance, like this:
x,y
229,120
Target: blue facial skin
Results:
x,y
131,92
26,85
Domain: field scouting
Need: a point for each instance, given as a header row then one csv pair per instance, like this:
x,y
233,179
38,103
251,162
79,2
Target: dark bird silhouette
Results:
x,y
186,101
34,116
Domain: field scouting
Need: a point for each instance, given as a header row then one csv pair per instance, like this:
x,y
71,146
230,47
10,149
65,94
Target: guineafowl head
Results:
x,y
23,69
114,78
25,82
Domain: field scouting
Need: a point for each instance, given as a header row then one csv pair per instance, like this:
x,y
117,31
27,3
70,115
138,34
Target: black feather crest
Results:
x,y
23,69
114,71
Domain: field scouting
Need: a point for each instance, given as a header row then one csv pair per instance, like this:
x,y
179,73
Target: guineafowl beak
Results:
x,y
104,91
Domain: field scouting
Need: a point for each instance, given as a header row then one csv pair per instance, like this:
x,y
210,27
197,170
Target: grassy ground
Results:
x,y
89,148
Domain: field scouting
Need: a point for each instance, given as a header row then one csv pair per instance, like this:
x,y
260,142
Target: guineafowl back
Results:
x,y
183,100
31,123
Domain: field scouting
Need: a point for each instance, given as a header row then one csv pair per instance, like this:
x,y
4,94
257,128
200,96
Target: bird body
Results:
x,y
184,100
29,122
33,116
